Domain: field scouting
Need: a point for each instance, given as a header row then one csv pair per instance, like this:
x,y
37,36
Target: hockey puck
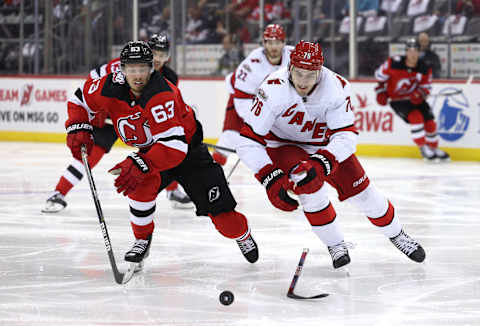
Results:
x,y
226,298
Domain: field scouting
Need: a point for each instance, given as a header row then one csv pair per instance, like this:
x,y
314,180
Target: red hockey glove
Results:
x,y
416,97
382,95
277,184
382,98
324,162
79,134
131,172
311,182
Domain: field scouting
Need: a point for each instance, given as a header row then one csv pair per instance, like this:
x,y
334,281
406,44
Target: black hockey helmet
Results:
x,y
136,52
159,42
412,43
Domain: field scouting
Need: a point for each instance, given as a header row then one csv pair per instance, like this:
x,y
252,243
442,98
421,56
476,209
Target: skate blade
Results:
x,y
53,209
177,205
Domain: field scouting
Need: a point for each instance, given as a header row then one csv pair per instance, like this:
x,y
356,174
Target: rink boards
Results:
x,y
34,109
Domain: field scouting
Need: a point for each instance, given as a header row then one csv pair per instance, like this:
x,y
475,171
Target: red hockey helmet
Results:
x,y
274,32
307,55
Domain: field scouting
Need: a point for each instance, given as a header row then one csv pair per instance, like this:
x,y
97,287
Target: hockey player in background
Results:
x,y
298,136
148,112
407,81
104,135
161,55
243,83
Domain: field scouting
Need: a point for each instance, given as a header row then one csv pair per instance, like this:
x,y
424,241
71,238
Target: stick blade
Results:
x,y
129,273
299,297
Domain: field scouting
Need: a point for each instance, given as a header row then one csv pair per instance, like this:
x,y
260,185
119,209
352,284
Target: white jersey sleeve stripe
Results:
x,y
78,99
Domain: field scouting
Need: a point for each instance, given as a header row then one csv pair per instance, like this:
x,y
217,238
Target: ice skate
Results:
x,y
339,254
55,203
428,153
140,250
441,156
409,247
178,199
249,249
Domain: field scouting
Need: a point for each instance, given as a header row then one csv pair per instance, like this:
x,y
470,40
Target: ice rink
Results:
x,y
55,271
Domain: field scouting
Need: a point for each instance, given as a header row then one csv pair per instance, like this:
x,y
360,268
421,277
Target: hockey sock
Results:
x,y
415,119
75,171
142,231
231,224
172,186
325,226
141,217
388,223
431,133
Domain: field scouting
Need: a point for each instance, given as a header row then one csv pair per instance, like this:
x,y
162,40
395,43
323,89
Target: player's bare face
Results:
x,y
138,75
273,50
159,59
412,57
303,80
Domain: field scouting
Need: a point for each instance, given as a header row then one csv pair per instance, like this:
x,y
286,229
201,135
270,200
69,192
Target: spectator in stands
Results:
x,y
233,55
197,30
468,8
364,7
328,9
238,11
160,22
274,10
428,55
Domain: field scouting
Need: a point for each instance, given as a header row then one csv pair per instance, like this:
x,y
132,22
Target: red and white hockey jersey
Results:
x,y
159,122
280,116
399,81
105,69
250,73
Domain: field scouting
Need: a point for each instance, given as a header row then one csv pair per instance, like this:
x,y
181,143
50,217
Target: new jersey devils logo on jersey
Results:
x,y
134,130
405,86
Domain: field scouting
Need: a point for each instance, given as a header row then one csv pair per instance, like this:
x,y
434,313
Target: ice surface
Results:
x,y
55,271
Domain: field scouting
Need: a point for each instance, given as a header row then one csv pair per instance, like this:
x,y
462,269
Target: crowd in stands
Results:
x,y
379,22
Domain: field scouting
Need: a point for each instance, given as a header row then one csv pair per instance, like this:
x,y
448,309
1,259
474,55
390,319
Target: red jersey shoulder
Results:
x,y
113,66
92,92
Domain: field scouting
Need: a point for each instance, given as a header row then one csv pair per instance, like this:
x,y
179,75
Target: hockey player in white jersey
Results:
x,y
243,83
298,136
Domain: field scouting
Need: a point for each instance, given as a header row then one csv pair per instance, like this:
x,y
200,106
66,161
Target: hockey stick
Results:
x,y
233,169
449,93
297,274
226,149
456,91
120,278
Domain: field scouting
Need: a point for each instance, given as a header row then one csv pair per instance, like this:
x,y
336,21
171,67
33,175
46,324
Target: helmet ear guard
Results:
x,y
307,55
